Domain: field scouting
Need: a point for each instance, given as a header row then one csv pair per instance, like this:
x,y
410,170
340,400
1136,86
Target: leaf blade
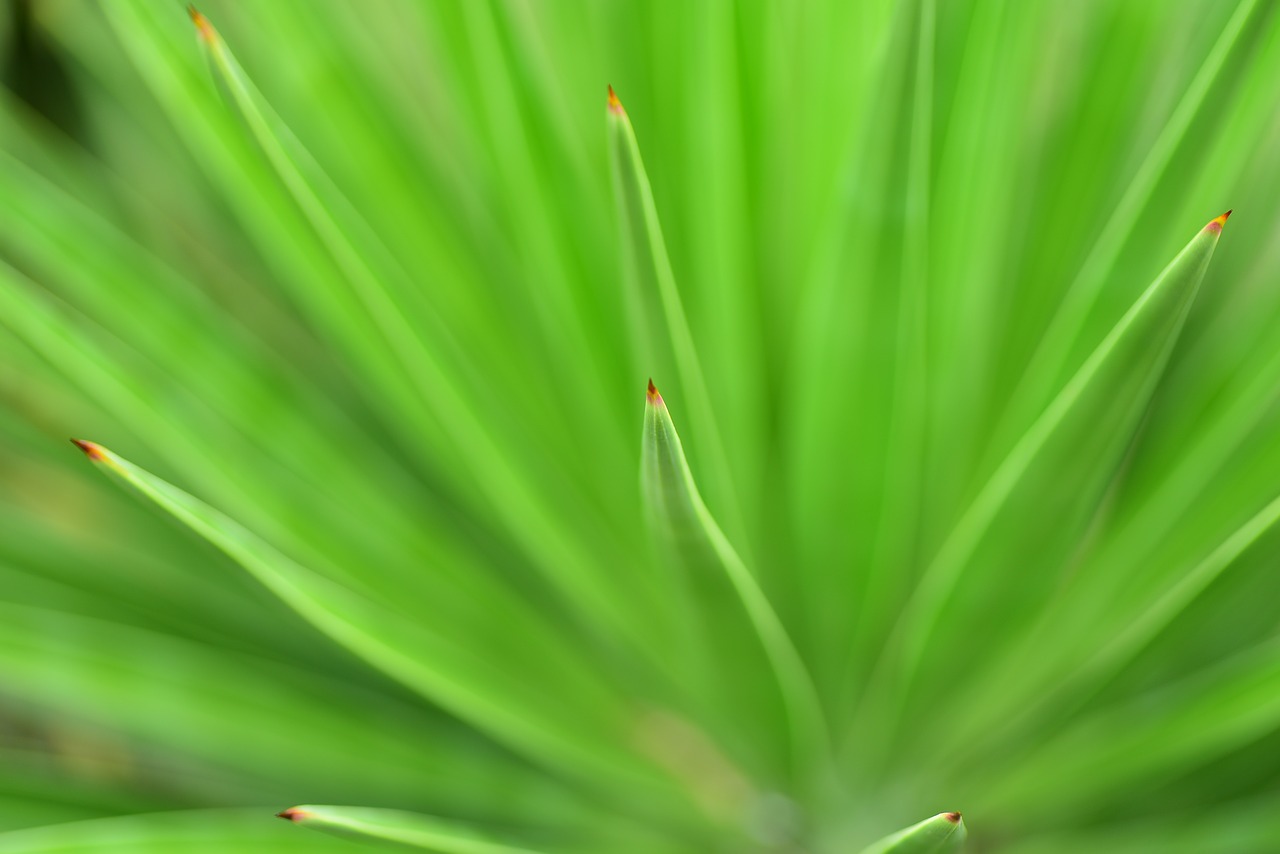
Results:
x,y
676,508
1082,434
449,674
944,832
414,830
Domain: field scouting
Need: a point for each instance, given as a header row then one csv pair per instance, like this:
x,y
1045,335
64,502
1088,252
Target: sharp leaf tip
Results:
x,y
202,23
293,814
92,450
615,105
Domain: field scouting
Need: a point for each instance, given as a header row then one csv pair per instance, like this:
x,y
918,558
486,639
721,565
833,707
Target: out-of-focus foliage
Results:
x,y
965,514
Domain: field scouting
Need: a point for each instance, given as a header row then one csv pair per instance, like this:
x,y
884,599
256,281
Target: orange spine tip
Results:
x,y
615,106
653,396
202,23
293,814
91,450
1218,222
953,817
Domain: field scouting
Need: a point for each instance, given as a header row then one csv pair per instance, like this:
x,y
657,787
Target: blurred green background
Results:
x,y
360,276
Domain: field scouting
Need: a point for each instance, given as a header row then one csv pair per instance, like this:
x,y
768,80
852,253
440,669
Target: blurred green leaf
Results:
x,y
376,287
197,831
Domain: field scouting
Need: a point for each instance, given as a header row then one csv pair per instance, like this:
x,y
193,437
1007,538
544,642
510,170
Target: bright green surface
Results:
x,y
940,834
972,506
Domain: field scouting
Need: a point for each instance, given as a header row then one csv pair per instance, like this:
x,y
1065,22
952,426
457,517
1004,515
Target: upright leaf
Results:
x,y
698,545
1044,494
655,303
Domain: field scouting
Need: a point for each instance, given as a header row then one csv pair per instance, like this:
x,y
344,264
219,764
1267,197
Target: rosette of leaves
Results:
x,y
960,491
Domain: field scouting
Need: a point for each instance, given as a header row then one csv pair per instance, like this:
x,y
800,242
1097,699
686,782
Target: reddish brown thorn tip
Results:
x,y
615,106
293,814
202,23
654,397
1218,222
91,450
953,817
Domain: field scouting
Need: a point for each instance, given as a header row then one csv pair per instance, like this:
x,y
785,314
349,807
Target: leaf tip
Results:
x,y
202,23
1215,225
953,817
293,814
653,397
615,106
92,450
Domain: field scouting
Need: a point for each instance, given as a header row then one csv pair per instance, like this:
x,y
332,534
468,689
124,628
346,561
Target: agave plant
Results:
x,y
959,493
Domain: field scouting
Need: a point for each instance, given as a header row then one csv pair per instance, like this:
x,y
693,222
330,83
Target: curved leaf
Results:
x,y
585,735
695,541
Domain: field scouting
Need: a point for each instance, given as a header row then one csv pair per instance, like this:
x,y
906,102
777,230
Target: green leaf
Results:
x,y
401,828
943,833
1036,506
661,336
244,831
159,695
586,735
340,271
1155,736
693,539
1099,265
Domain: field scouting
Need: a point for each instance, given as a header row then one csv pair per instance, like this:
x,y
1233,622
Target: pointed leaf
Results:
x,y
943,833
580,735
655,301
681,518
399,829
423,365
1042,496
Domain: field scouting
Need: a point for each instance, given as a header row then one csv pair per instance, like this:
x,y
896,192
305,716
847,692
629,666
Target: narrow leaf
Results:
x,y
1050,484
1051,354
942,833
213,830
677,511
398,828
655,299
188,701
581,735
429,361
1147,739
